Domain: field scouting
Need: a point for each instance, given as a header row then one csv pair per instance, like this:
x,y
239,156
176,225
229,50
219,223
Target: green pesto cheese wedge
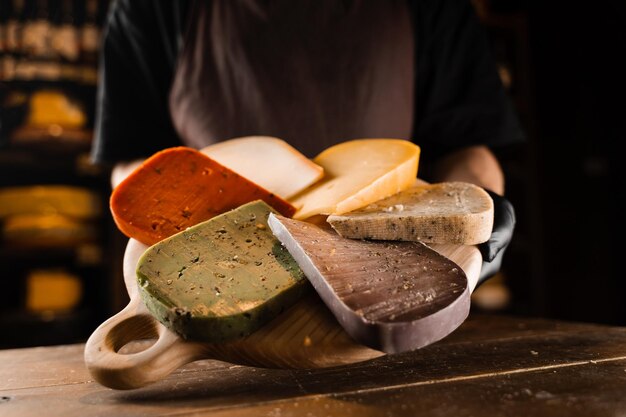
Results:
x,y
221,279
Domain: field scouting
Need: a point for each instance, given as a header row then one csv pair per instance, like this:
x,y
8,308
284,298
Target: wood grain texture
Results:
x,y
449,213
492,365
391,296
306,336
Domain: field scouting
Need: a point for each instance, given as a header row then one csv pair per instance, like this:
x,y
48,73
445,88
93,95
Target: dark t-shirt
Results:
x,y
454,98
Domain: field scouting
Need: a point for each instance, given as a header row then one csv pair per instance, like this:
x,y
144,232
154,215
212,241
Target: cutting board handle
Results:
x,y
134,370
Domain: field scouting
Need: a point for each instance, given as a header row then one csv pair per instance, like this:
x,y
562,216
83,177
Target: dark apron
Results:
x,y
311,72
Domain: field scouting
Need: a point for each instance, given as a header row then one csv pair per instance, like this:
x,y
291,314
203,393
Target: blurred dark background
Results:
x,y
561,63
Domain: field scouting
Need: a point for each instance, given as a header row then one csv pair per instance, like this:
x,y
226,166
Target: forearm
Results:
x,y
476,165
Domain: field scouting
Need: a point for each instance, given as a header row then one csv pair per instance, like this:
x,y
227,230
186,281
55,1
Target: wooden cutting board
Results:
x,y
305,336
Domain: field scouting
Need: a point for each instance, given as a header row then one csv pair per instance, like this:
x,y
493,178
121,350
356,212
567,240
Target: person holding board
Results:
x,y
314,73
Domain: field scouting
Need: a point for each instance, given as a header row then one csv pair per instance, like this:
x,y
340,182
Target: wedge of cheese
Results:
x,y
450,212
221,279
357,173
178,188
390,296
270,162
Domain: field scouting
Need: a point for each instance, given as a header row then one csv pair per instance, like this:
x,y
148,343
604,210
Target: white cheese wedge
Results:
x,y
267,161
357,173
448,213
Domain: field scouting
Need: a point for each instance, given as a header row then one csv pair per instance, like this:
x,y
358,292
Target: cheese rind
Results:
x,y
221,279
357,173
270,162
451,212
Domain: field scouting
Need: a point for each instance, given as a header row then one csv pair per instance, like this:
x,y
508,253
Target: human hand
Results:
x,y
501,235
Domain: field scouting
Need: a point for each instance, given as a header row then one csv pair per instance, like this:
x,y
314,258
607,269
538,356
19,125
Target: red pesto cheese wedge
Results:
x,y
270,162
177,188
357,173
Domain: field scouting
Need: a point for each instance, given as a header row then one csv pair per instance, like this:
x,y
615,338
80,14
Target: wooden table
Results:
x,y
491,366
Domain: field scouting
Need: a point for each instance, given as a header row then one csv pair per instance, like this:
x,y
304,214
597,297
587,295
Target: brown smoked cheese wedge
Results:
x,y
390,296
177,188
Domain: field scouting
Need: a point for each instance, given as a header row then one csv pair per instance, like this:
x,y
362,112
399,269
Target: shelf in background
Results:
x,y
22,329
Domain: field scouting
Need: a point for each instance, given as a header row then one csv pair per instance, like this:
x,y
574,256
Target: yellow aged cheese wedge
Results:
x,y
357,173
267,161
